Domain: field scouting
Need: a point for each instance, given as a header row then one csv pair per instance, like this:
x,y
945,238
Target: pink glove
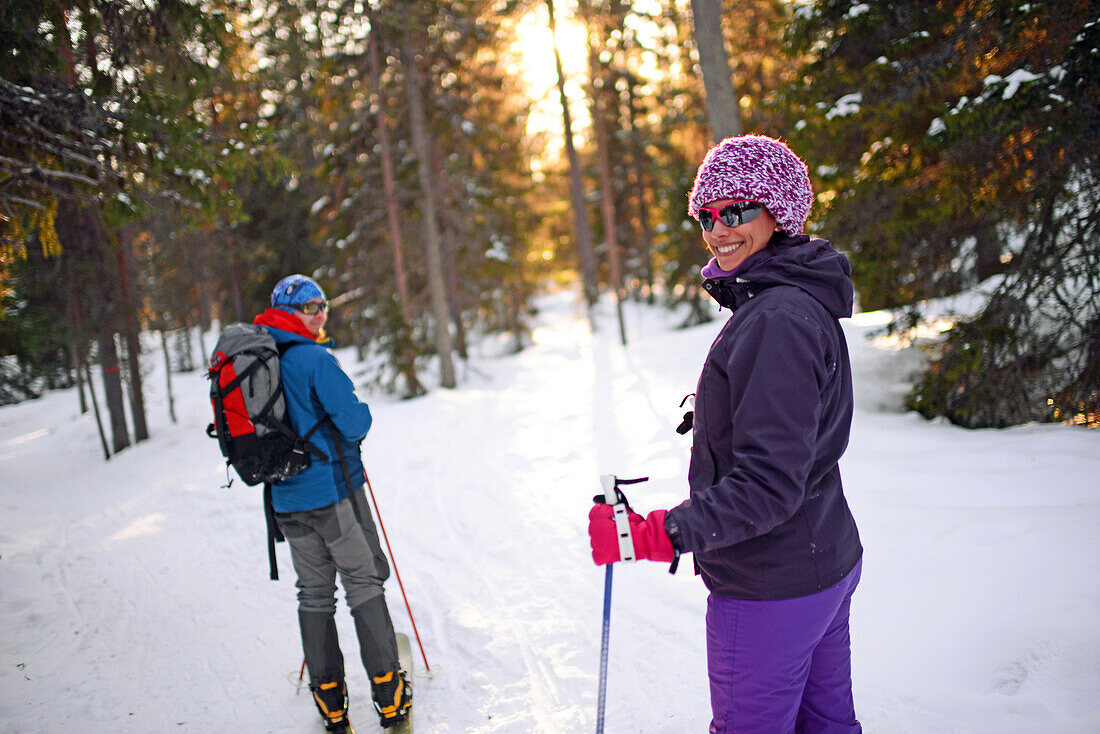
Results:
x,y
650,539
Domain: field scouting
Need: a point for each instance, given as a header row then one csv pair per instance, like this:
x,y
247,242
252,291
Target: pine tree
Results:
x,y
956,141
94,128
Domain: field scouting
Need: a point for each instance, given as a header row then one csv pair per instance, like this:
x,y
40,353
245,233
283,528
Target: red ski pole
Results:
x,y
396,573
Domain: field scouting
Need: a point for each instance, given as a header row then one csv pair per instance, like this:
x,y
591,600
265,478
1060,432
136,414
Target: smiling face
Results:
x,y
314,323
733,245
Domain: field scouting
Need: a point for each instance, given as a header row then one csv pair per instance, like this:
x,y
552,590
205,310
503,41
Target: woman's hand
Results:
x,y
651,541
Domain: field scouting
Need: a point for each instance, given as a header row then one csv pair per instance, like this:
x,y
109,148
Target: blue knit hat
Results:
x,y
294,290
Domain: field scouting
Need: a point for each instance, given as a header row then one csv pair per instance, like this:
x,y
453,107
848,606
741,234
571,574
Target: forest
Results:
x,y
437,165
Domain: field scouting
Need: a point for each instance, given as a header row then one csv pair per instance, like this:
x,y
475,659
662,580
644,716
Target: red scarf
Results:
x,y
277,318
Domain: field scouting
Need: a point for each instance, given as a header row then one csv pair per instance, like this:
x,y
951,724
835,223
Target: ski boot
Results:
x,y
332,701
392,696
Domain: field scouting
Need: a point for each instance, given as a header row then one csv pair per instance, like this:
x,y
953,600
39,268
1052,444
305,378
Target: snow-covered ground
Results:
x,y
134,593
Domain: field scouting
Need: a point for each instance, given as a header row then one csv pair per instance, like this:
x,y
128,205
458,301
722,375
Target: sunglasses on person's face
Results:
x,y
312,308
732,215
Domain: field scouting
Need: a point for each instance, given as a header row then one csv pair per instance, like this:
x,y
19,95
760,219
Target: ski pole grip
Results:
x,y
621,512
622,527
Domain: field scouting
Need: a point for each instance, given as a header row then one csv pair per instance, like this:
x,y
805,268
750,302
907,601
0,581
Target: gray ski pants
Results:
x,y
335,539
340,538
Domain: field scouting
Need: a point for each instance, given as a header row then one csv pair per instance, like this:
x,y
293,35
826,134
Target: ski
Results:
x,y
405,658
349,730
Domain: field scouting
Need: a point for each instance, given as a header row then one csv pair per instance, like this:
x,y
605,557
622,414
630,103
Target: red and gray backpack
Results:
x,y
250,416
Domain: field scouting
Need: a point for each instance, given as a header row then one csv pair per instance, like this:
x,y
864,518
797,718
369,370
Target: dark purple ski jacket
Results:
x,y
767,518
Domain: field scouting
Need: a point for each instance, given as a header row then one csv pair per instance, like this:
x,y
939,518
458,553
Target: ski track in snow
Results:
x,y
135,593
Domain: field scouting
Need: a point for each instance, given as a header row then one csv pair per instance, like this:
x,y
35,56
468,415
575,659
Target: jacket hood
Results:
x,y
285,327
812,265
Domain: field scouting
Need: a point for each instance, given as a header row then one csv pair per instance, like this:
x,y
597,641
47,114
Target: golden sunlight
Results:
x,y
533,54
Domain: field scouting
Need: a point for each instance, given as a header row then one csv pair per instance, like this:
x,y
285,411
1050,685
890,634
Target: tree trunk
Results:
x,y
83,236
639,165
112,386
74,354
389,187
406,355
128,279
427,210
195,264
168,375
235,273
450,256
137,392
95,407
186,348
75,347
723,111
108,351
204,353
515,310
988,250
607,194
454,293
581,231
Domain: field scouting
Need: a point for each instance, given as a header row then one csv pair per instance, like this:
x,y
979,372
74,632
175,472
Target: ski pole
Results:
x,y
396,573
601,701
621,509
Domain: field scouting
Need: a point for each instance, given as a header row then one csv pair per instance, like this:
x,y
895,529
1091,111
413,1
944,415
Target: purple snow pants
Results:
x,y
782,667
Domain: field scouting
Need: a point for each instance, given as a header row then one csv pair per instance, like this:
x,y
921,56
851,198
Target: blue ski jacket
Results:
x,y
767,517
315,386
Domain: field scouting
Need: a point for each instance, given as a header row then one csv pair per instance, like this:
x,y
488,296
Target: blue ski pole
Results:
x,y
621,508
602,699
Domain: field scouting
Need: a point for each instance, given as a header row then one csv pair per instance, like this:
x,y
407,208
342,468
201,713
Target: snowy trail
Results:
x,y
135,594
517,538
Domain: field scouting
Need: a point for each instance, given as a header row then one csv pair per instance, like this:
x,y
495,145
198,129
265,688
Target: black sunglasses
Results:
x,y
732,215
312,308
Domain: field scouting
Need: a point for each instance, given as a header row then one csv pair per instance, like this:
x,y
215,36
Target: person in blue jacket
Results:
x,y
324,516
766,518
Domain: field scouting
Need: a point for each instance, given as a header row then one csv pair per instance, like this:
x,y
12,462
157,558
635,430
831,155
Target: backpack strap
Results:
x,y
218,429
236,381
310,447
302,444
274,535
347,475
340,453
335,436
306,444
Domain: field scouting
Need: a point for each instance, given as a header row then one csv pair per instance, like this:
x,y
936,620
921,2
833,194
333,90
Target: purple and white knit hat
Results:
x,y
757,168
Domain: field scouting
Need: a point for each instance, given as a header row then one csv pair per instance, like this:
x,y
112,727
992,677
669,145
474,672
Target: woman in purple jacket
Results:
x,y
767,521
